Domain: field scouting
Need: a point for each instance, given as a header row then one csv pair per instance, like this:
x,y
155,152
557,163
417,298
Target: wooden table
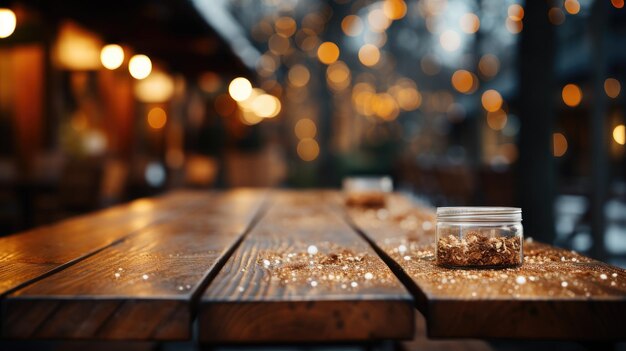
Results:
x,y
259,266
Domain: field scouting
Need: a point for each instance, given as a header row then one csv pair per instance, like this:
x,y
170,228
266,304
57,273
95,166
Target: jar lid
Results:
x,y
479,213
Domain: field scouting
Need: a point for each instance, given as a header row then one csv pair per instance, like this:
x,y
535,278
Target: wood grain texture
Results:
x,y
302,275
556,294
28,255
141,288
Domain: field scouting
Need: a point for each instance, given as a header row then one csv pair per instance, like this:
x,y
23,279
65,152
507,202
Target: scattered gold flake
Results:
x,y
402,234
326,265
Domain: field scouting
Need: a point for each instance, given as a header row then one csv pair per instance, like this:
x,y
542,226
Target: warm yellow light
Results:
x,y
497,120
469,23
112,56
299,75
77,48
369,55
250,118
489,65
516,12
378,21
308,149
157,87
328,52
240,89
406,95
305,128
572,95
463,81
338,76
612,87
514,27
619,134
157,118
8,22
140,66
394,9
266,106
285,26
559,144
450,40
352,25
618,4
385,106
491,100
572,6
556,16
278,44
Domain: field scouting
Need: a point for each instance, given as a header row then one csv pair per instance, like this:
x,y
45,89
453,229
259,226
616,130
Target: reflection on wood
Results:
x,y
302,274
141,287
555,294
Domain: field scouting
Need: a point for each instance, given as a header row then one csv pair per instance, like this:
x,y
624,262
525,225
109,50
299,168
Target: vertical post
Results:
x,y
599,137
536,168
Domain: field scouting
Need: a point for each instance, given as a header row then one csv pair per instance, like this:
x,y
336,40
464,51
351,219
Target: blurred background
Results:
x,y
462,102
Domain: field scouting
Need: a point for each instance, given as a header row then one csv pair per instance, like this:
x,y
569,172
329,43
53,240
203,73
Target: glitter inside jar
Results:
x,y
479,237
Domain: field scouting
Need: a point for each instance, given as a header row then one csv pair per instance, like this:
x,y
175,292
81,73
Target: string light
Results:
x,y
240,89
140,66
8,22
112,56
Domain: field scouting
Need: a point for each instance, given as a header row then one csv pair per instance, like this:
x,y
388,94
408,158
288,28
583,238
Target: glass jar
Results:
x,y
479,237
367,191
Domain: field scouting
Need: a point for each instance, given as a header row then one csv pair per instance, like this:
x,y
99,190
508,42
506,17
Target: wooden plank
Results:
x,y
29,255
303,275
556,294
138,289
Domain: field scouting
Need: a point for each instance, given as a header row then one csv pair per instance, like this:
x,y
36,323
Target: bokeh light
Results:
x,y
305,128
157,117
8,22
515,12
308,149
328,52
572,95
157,87
612,87
497,120
112,56
469,23
489,65
352,25
378,21
299,75
514,27
491,100
240,89
559,144
618,4
369,55
464,81
450,40
394,9
266,106
140,66
572,6
285,26
619,134
556,16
